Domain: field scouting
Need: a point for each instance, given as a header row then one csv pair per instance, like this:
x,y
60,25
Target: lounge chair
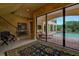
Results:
x,y
6,36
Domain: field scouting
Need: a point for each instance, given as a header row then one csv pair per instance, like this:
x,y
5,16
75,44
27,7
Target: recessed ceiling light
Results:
x,y
27,10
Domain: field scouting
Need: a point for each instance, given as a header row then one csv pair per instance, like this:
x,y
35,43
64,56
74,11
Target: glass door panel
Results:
x,y
41,28
55,27
72,27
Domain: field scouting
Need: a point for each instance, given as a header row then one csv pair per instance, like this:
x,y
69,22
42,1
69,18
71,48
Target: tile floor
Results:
x,y
13,45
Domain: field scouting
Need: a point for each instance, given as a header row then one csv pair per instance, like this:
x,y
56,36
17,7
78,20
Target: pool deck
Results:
x,y
70,42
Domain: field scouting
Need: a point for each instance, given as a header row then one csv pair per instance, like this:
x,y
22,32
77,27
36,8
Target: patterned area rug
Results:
x,y
35,50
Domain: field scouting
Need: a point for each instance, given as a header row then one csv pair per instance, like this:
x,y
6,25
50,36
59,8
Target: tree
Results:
x,y
72,26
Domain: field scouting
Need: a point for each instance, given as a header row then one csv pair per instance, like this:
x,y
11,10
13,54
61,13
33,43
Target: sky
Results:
x,y
59,20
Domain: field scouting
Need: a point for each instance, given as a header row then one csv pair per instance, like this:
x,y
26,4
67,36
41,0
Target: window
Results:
x,y
55,27
72,27
41,27
61,27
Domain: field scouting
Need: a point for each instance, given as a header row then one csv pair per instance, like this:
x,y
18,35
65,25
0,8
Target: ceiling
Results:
x,y
19,8
32,6
27,9
7,8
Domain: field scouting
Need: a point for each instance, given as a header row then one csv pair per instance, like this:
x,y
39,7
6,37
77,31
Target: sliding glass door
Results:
x,y
72,26
41,27
60,27
55,27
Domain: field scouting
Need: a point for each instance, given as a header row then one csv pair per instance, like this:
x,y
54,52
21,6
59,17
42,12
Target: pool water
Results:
x,y
73,35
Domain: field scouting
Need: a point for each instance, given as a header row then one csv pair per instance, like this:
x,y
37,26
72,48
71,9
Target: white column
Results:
x,y
43,27
53,27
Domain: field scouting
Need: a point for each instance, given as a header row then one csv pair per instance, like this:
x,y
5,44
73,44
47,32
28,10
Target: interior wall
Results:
x,y
14,20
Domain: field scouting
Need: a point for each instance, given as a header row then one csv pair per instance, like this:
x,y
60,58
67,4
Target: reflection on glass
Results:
x,y
41,28
55,27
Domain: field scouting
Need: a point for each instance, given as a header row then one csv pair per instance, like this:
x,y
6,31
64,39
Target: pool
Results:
x,y
70,35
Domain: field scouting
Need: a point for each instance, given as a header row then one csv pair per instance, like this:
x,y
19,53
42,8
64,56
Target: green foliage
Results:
x,y
72,26
59,27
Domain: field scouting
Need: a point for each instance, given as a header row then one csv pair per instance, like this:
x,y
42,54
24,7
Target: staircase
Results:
x,y
6,25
